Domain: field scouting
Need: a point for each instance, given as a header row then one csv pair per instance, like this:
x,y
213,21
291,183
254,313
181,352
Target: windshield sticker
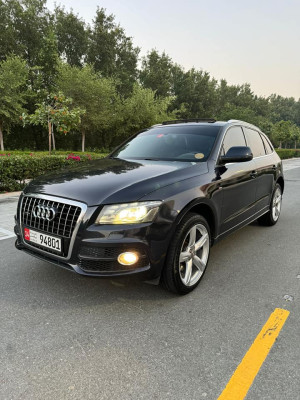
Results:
x,y
199,156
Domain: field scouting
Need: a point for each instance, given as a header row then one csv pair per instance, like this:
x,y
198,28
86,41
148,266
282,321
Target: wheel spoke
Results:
x,y
184,256
199,263
276,205
201,242
192,238
191,266
188,272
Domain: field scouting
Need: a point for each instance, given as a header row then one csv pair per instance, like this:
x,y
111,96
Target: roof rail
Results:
x,y
235,120
182,121
244,123
155,125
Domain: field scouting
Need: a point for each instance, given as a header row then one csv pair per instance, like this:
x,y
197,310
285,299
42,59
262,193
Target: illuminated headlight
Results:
x,y
130,213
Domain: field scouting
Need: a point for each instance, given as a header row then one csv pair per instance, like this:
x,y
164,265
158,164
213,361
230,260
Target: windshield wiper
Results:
x,y
152,159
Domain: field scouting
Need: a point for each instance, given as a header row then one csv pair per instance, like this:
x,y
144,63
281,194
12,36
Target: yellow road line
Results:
x,y
244,375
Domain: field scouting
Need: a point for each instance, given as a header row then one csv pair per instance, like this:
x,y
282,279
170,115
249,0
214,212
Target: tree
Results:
x,y
282,131
26,22
126,66
94,93
282,108
72,35
48,62
7,34
156,73
100,73
196,91
55,111
111,52
140,110
295,134
13,77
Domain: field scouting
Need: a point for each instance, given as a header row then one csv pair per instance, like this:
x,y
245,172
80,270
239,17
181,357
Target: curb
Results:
x,y
9,194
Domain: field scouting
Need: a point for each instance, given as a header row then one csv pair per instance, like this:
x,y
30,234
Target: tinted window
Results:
x,y
267,144
234,137
255,142
175,143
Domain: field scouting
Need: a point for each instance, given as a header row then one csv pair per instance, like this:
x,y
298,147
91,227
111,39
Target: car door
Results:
x,y
265,168
238,184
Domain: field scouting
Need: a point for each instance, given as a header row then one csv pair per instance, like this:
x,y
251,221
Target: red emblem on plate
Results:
x,y
26,234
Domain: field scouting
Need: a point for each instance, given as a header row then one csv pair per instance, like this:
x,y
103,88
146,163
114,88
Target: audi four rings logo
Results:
x,y
44,212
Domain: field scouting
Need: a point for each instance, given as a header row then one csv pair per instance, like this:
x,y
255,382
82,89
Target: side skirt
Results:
x,y
242,224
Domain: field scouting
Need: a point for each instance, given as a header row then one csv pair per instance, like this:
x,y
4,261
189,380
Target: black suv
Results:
x,y
156,204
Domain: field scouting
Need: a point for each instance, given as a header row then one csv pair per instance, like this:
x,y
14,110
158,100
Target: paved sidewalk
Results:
x,y
8,206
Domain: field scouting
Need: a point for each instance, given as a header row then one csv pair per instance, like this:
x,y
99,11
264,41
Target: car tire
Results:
x,y
272,216
188,255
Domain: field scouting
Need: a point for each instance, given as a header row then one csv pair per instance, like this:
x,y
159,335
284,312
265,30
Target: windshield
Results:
x,y
171,143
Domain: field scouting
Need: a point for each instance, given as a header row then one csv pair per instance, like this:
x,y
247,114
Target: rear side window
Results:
x,y
254,141
268,147
234,137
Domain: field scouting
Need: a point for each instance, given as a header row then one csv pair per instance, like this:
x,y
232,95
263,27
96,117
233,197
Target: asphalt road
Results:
x,y
64,336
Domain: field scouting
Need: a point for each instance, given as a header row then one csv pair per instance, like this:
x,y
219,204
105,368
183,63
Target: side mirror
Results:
x,y
237,154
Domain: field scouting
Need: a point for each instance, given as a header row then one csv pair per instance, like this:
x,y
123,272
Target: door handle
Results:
x,y
253,174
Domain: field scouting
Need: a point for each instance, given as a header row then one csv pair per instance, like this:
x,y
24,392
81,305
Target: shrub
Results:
x,y
15,170
288,153
93,154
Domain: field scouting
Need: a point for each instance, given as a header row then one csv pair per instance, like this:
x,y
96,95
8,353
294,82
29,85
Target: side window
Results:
x,y
268,147
234,137
255,142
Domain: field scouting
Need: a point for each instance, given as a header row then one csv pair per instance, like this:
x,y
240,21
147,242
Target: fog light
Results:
x,y
128,258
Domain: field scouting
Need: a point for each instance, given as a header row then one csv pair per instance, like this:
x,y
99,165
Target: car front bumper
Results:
x,y
95,248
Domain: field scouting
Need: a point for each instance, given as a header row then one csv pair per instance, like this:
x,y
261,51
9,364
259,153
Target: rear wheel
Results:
x,y
188,255
272,216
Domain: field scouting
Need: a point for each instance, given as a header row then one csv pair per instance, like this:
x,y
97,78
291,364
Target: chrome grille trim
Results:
x,y
65,223
62,220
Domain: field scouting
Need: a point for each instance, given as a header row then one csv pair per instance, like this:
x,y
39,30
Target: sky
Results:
x,y
253,41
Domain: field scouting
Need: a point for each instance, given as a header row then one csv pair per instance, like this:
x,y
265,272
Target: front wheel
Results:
x,y
272,216
188,255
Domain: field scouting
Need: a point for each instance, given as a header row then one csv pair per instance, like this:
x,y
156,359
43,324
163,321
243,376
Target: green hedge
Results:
x,y
16,169
53,153
288,153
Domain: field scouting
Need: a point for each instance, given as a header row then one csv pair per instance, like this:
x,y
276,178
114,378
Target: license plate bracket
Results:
x,y
51,242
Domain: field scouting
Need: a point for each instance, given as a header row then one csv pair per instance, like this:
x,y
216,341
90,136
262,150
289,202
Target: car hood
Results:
x,y
109,181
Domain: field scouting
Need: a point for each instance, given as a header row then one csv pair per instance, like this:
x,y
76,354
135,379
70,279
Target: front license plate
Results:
x,y
48,241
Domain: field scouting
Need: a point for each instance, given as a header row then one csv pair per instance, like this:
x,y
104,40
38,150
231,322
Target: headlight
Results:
x,y
130,213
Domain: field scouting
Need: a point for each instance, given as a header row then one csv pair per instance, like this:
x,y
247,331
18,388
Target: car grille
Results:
x,y
62,225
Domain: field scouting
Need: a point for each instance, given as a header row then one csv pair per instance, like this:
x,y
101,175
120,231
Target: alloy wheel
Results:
x,y
276,204
193,255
